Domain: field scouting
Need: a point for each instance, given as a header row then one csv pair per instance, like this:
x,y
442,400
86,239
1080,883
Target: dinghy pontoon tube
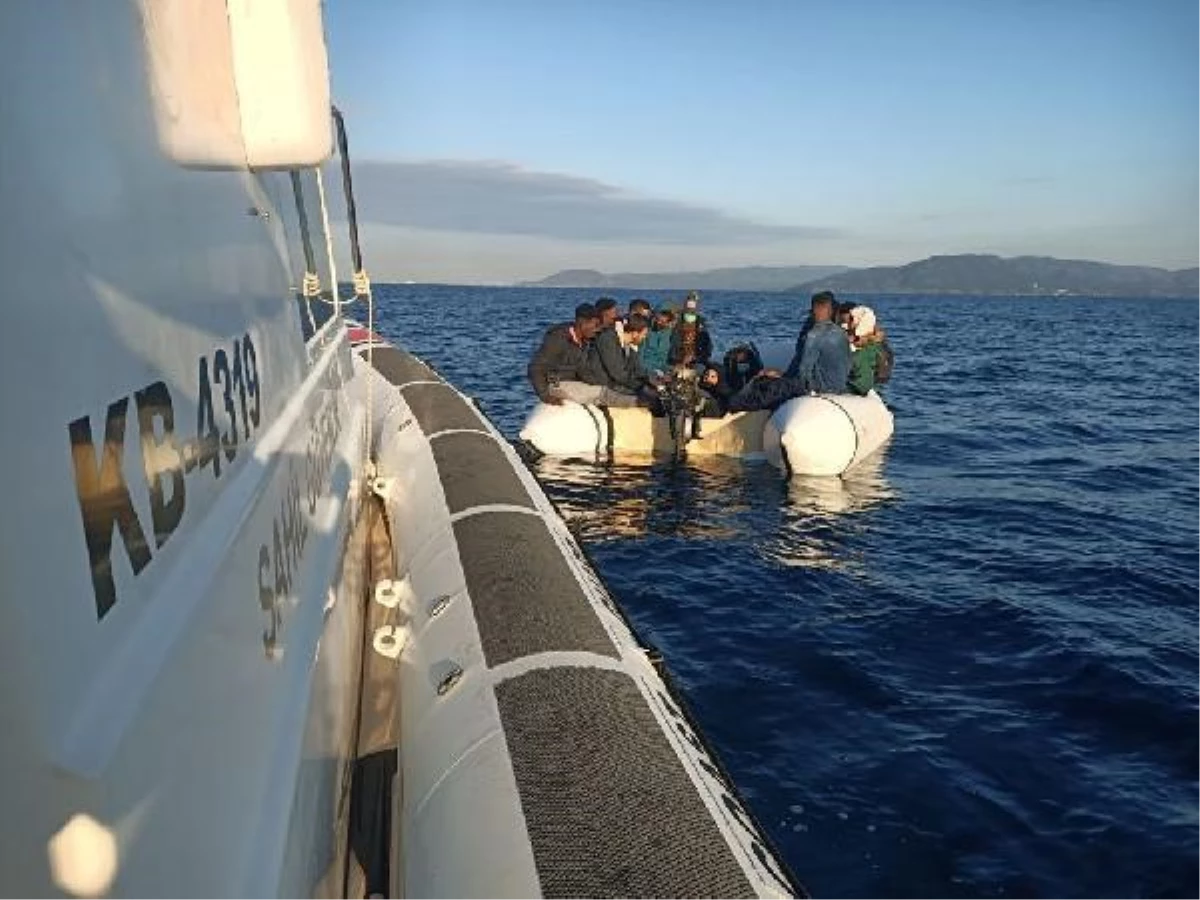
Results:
x,y
818,435
541,752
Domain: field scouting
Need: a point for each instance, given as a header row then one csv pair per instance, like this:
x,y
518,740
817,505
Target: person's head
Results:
x,y
822,306
711,376
606,308
639,307
843,315
862,322
587,321
636,328
664,318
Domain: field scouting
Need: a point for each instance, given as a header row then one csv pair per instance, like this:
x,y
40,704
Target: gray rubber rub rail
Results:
x,y
475,472
439,407
575,733
525,596
398,367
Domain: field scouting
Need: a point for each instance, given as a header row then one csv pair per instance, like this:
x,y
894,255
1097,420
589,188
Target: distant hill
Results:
x,y
1030,275
745,278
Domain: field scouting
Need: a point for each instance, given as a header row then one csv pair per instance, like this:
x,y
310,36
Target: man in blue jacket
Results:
x,y
821,364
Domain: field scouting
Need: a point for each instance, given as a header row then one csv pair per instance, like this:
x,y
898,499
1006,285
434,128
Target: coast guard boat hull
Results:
x,y
283,614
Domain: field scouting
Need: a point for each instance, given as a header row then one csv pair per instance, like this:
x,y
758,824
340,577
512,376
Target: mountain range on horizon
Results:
x,y
952,274
742,278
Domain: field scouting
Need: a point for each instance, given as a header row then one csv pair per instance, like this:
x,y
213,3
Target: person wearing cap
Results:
x,y
691,344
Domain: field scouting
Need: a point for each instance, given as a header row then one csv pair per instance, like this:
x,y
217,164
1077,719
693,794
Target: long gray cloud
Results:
x,y
499,198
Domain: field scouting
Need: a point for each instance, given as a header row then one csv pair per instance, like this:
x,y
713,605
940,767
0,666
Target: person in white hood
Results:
x,y
868,343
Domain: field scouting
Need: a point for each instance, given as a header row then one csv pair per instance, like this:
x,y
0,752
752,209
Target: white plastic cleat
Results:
x,y
382,487
396,594
390,640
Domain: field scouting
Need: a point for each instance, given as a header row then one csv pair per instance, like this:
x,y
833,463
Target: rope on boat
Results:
x,y
336,302
361,281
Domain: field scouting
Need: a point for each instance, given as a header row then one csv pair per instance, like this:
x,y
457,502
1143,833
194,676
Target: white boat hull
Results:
x,y
192,459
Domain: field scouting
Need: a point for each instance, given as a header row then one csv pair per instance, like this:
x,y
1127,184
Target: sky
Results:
x,y
502,140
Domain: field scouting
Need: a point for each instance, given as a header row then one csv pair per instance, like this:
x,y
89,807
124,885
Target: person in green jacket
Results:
x,y
866,339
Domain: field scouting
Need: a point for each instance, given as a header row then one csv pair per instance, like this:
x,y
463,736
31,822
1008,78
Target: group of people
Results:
x,y
607,359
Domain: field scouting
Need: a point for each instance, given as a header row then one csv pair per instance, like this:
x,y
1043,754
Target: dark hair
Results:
x,y
824,297
843,308
638,306
604,304
585,311
668,312
637,322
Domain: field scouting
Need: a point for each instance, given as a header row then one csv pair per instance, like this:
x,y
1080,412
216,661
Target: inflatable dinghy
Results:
x,y
542,753
816,435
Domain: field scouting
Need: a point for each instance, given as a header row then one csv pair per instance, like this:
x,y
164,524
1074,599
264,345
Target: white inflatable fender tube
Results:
x,y
542,751
568,429
826,434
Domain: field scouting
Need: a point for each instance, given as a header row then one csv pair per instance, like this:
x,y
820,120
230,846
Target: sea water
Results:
x,y
970,667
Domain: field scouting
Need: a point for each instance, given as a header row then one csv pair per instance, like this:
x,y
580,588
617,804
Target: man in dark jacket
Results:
x,y
562,357
607,366
561,366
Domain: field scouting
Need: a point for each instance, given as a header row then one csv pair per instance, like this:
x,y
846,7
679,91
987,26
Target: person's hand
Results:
x,y
769,373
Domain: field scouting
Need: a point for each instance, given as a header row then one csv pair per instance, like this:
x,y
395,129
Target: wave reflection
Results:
x,y
802,522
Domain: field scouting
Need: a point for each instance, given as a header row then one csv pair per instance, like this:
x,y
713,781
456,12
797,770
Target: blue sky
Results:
x,y
514,138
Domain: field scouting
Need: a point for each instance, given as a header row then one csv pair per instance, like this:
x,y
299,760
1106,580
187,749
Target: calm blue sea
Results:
x,y
970,669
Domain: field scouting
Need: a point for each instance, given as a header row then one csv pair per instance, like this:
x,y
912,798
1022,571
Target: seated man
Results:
x,y
822,365
613,361
715,393
633,336
742,363
607,366
840,317
560,365
639,307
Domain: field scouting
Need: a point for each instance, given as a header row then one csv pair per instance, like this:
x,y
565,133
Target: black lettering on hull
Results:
x,y
161,459
104,497
104,501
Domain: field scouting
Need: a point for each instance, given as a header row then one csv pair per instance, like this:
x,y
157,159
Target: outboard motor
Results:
x,y
681,402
